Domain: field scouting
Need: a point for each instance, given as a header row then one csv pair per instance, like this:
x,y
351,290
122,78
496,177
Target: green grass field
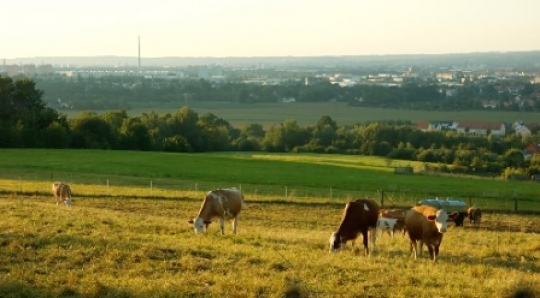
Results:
x,y
308,113
332,178
127,234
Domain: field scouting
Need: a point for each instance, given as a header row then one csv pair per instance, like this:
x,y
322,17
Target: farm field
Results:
x,y
127,234
119,247
308,113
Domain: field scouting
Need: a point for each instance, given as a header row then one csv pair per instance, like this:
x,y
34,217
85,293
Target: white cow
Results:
x,y
220,203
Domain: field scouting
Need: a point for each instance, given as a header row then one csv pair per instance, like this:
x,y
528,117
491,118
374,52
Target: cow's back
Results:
x,y
226,201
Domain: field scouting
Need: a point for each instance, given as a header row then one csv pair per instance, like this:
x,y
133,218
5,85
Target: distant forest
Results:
x,y
27,122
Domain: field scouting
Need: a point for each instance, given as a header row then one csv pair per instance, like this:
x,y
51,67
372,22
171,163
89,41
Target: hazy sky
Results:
x,y
220,28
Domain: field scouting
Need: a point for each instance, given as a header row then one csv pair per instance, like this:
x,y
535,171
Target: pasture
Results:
x,y
288,177
268,114
127,234
119,247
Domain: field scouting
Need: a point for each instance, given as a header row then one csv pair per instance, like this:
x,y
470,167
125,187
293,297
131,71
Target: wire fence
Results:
x,y
143,187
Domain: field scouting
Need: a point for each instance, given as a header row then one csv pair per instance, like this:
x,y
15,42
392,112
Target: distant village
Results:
x,y
504,84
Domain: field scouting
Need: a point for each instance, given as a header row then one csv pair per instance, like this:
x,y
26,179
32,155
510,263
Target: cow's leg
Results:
x,y
413,248
235,220
222,225
431,250
373,237
421,247
436,252
365,241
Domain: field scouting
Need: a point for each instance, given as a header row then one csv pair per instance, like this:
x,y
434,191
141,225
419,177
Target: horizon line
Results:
x,y
280,56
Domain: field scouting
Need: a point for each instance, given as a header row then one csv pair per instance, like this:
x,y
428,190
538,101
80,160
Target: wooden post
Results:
x,y
382,198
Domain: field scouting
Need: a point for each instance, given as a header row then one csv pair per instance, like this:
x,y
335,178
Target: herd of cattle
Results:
x,y
424,224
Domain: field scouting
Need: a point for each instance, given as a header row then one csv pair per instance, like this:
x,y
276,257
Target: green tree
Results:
x,y
90,131
513,158
184,123
24,117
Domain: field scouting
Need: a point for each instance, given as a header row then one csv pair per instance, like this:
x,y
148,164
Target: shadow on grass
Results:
x,y
15,289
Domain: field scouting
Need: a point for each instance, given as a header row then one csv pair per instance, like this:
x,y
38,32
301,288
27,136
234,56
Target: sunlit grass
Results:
x,y
139,247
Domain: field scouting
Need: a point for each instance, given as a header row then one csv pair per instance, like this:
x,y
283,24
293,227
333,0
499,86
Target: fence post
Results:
x,y
382,198
515,205
330,193
286,195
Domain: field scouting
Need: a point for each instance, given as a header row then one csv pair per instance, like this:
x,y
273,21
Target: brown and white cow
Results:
x,y
359,216
427,225
62,192
475,215
220,203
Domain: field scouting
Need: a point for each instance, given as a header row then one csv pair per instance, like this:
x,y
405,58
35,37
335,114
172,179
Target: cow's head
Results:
x,y
68,201
199,225
441,219
335,242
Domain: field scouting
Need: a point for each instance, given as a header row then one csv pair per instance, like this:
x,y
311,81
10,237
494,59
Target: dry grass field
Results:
x,y
143,247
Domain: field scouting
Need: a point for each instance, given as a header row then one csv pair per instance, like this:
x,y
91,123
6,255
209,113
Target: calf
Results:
x,y
62,192
475,215
397,214
387,224
427,225
359,216
220,203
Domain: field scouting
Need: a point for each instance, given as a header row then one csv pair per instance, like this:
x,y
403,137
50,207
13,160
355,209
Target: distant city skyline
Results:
x,y
263,28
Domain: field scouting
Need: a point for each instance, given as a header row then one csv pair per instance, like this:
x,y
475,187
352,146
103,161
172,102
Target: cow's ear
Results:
x,y
431,217
190,221
453,216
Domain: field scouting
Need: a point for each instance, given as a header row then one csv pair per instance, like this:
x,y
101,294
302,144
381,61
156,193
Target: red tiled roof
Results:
x,y
479,125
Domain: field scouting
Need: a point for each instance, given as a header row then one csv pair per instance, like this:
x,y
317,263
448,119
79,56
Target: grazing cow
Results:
x,y
62,192
359,216
220,203
475,215
427,225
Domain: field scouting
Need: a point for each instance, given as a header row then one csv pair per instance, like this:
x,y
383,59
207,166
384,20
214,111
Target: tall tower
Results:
x,y
139,54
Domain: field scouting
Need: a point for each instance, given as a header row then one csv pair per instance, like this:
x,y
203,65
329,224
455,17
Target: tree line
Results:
x,y
27,122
